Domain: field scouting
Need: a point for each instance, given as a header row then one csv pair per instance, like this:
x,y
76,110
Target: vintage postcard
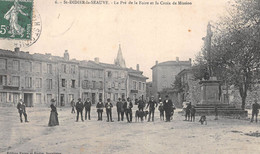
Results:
x,y
129,76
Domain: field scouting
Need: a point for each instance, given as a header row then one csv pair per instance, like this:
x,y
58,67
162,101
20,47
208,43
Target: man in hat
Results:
x,y
72,103
168,108
128,105
109,107
22,111
100,107
151,104
79,108
120,109
87,106
141,104
255,110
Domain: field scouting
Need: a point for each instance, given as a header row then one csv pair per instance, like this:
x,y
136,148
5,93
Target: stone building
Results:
x,y
37,78
163,74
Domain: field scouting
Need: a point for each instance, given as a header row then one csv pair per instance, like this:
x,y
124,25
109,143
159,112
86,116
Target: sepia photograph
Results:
x,y
129,76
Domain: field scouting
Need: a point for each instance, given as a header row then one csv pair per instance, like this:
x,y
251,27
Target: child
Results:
x,y
160,108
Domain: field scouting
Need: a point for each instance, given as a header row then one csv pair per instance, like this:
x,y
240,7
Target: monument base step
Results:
x,y
223,110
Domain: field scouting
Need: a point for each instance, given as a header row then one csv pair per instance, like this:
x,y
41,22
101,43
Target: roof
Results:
x,y
137,75
172,63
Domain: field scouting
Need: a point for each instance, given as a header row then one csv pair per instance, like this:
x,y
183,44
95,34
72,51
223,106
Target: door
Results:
x,y
93,98
28,99
62,100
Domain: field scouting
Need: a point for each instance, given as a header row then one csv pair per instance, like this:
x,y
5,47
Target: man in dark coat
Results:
x,y
151,104
141,104
100,107
79,108
72,103
109,107
120,109
168,108
255,110
22,111
87,106
128,105
187,112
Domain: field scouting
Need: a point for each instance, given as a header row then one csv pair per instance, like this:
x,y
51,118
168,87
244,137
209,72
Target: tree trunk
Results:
x,y
243,103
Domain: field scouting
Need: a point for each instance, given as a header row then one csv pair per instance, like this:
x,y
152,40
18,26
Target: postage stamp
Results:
x,y
16,19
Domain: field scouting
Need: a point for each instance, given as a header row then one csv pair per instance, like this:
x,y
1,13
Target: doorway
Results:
x,y
62,100
28,99
93,98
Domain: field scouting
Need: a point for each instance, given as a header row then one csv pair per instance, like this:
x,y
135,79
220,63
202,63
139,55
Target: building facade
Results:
x,y
38,78
163,74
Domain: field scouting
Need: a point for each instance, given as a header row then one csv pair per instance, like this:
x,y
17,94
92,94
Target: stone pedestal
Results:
x,y
210,91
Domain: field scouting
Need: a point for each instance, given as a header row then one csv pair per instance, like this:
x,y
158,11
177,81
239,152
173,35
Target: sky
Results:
x,y
146,33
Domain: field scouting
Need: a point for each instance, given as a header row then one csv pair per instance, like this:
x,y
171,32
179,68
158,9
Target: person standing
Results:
x,y
72,103
120,109
79,108
109,107
100,107
255,110
141,104
87,106
128,109
168,108
151,104
160,108
187,112
53,121
192,113
22,111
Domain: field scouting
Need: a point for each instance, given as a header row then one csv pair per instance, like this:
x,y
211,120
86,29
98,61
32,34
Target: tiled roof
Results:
x,y
172,63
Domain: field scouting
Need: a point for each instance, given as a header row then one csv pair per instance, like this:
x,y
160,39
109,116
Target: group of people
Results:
x,y
124,107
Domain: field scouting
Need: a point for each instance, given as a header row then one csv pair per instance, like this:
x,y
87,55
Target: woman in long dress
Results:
x,y
53,121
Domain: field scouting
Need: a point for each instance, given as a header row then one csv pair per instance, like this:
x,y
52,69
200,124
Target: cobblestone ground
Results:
x,y
219,136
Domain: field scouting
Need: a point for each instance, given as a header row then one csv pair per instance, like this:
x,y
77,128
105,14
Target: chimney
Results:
x,y
137,67
96,60
177,59
156,62
17,49
66,55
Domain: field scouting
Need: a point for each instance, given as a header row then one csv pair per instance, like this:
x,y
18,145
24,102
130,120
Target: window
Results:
x,y
109,85
93,74
85,84
16,65
100,74
140,85
109,74
85,73
116,85
16,81
49,68
49,97
49,83
134,85
63,68
122,85
144,86
73,69
100,85
28,66
63,82
94,84
122,75
116,97
38,82
73,84
28,82
3,64
38,98
38,67
3,80
116,75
